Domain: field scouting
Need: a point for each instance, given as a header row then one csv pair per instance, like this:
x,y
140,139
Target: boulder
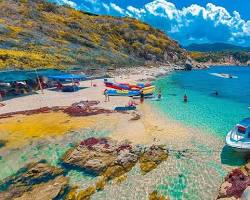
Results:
x,y
96,155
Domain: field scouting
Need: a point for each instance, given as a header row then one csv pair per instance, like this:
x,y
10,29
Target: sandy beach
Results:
x,y
151,128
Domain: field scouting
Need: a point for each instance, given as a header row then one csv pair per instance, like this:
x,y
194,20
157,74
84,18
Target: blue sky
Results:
x,y
187,21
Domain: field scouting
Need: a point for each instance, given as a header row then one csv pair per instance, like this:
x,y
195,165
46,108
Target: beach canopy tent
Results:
x,y
45,73
12,76
19,75
68,77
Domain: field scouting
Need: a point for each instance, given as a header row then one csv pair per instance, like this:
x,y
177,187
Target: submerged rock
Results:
x,y
85,194
156,196
110,159
31,179
152,157
46,191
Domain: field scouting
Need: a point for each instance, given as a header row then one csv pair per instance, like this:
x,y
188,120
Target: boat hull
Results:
x,y
237,145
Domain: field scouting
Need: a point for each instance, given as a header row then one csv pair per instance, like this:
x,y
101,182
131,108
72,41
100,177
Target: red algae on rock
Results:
x,y
83,108
236,182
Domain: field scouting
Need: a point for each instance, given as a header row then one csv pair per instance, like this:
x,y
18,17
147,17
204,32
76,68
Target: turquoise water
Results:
x,y
51,151
216,114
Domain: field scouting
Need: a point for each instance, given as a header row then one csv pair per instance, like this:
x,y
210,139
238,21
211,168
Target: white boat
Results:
x,y
239,137
222,75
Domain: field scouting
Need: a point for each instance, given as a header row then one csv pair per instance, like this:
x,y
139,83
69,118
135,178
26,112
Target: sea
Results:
x,y
216,114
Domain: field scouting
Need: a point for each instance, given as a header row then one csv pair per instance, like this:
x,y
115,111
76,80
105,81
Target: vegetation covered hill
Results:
x,y
223,57
38,34
215,47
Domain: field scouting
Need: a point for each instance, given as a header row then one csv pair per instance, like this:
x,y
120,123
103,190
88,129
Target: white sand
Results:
x,y
56,98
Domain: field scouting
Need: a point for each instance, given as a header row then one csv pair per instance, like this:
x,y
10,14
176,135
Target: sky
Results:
x,y
187,21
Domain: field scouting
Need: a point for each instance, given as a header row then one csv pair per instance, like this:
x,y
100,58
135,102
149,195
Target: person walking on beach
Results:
x,y
106,95
185,98
142,96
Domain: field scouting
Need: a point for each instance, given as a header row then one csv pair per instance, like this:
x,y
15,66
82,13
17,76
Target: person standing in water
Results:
x,y
185,98
159,94
142,96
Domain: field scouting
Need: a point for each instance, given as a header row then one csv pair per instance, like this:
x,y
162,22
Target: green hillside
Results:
x,y
38,34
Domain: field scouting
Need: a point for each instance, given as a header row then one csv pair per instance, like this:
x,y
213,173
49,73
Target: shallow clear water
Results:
x,y
194,176
50,150
217,114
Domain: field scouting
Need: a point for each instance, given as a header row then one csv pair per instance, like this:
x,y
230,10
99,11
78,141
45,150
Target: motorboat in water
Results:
x,y
239,137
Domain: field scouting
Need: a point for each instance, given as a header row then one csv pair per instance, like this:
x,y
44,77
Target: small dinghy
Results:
x,y
239,137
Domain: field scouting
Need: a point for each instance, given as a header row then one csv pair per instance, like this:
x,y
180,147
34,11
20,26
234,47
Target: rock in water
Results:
x,y
96,155
152,158
156,196
30,179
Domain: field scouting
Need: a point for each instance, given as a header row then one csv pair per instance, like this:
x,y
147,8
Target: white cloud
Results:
x,y
195,23
116,8
106,7
67,2
190,24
